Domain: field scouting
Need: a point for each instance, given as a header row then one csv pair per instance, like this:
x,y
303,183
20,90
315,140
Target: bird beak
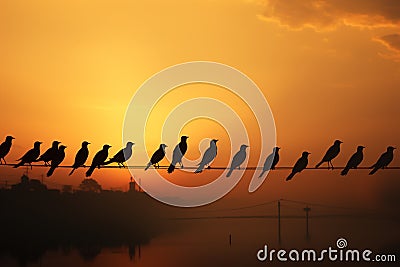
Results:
x,y
12,137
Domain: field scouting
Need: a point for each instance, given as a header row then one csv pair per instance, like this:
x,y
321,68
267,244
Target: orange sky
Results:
x,y
329,70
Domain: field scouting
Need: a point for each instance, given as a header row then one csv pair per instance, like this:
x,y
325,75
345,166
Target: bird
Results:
x,y
300,165
50,153
238,159
332,152
81,157
57,159
5,148
179,151
384,160
208,156
354,161
98,160
30,156
157,157
122,155
271,161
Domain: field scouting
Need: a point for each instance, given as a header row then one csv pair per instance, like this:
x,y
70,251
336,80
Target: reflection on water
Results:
x,y
207,243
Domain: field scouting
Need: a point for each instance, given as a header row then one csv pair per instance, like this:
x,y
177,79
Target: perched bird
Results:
x,y
57,159
179,151
208,156
332,152
157,157
81,157
238,159
5,148
50,153
354,161
300,165
30,156
122,155
271,161
98,160
384,160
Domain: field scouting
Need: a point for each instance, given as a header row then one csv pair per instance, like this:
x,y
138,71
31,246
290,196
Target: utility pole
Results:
x,y
307,210
279,222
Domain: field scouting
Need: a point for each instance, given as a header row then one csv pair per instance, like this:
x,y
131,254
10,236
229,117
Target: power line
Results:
x,y
195,167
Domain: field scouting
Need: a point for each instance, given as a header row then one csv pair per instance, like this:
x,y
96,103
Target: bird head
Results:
x,y
184,138
214,141
305,154
163,146
9,138
360,148
37,144
390,148
62,147
243,147
129,144
55,143
106,147
338,142
276,149
85,143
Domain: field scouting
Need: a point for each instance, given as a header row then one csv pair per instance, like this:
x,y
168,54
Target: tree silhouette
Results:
x,y
90,185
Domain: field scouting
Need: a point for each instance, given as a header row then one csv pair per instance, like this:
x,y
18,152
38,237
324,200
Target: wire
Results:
x,y
194,168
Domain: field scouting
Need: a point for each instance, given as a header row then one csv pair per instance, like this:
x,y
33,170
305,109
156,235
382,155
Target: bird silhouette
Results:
x,y
157,157
30,156
271,161
5,148
300,165
354,161
80,157
50,153
238,159
208,156
179,151
57,159
122,155
98,160
332,152
384,160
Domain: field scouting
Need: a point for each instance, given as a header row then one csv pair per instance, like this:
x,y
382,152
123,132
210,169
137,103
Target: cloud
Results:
x,y
392,43
328,14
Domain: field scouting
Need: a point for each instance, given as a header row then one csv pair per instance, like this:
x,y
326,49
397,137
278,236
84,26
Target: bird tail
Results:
x,y
72,171
319,164
229,172
290,176
261,174
19,164
171,168
345,171
200,168
373,170
148,166
90,171
50,172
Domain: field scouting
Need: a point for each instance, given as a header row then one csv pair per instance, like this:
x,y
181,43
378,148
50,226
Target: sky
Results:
x,y
328,69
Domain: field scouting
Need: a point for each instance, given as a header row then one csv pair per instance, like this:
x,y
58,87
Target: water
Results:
x,y
205,242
